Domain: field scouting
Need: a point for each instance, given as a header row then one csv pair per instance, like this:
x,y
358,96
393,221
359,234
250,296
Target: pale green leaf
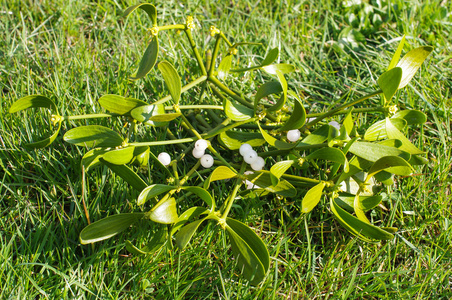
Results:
x,y
119,105
93,136
411,62
312,198
172,80
164,212
148,60
153,191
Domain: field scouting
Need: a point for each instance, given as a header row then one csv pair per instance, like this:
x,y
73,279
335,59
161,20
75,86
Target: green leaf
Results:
x,y
120,105
377,131
396,56
141,156
250,251
224,67
298,116
222,173
148,60
186,233
412,117
237,112
346,201
392,164
147,7
119,156
153,191
366,232
411,62
279,168
127,175
92,158
389,82
274,142
190,213
348,124
201,193
317,137
172,80
268,88
32,101
108,227
331,154
272,55
144,113
45,142
312,198
164,212
394,133
155,244
283,68
93,136
234,139
373,152
164,118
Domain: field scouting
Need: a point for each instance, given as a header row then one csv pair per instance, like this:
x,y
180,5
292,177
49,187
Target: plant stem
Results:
x,y
88,116
230,201
160,143
200,106
195,51
214,56
183,89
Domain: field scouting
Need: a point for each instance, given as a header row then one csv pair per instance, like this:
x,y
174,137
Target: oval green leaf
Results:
x,y
412,117
411,62
145,112
274,142
93,136
312,198
392,164
127,174
45,142
283,68
389,82
394,133
224,67
153,191
148,60
268,88
373,152
147,7
32,101
252,255
119,156
201,193
222,173
377,131
172,80
108,227
234,139
164,212
272,55
119,105
237,112
185,234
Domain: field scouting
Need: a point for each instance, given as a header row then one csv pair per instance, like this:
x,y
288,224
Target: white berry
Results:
x,y
207,161
293,135
258,164
250,157
245,148
201,145
198,153
164,158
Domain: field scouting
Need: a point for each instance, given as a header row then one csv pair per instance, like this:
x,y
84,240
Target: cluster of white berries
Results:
x,y
250,156
293,135
199,152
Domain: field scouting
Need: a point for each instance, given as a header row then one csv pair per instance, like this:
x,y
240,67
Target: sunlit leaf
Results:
x,y
392,164
312,198
331,154
237,112
283,68
373,152
108,227
272,55
144,113
394,133
224,67
172,80
201,193
163,118
119,156
190,213
93,136
185,234
377,131
45,142
263,180
164,212
153,191
148,60
412,117
279,168
318,136
396,56
274,142
147,7
268,88
251,253
222,173
32,101
119,105
92,158
346,201
411,62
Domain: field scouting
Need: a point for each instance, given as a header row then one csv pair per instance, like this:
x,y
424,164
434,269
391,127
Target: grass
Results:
x,y
76,51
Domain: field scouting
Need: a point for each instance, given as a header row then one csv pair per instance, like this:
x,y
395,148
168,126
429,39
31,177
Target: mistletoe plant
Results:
x,y
347,164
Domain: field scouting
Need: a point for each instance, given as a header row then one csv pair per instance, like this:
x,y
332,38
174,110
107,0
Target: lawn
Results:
x,y
74,52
